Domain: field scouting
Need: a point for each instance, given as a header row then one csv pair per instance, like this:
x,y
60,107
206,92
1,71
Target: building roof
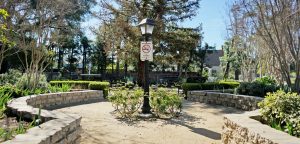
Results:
x,y
213,58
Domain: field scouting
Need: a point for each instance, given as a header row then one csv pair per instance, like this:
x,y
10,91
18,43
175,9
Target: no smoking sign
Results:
x,y
146,51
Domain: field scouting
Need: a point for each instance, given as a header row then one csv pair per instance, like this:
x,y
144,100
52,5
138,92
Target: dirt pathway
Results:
x,y
199,124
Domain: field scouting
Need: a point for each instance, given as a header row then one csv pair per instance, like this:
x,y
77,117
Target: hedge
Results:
x,y
98,85
256,88
104,86
93,85
209,86
74,84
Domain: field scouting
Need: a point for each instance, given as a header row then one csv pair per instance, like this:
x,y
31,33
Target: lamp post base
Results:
x,y
146,116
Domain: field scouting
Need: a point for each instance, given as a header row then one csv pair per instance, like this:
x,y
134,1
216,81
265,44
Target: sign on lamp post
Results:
x,y
146,51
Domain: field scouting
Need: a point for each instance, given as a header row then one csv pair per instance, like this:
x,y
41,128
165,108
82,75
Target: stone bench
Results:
x,y
246,129
57,127
242,102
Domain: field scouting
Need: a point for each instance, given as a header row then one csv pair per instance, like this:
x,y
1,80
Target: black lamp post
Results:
x,y
146,26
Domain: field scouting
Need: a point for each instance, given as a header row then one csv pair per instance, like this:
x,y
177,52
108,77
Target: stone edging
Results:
x,y
243,129
57,127
242,102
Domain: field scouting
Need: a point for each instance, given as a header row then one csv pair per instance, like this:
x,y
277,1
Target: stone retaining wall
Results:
x,y
243,129
57,127
242,102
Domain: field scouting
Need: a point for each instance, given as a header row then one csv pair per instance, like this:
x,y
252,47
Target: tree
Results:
x,y
5,43
126,14
276,24
243,45
35,23
200,55
230,60
85,46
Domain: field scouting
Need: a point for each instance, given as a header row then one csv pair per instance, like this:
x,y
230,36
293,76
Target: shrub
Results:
x,y
255,88
5,97
126,102
266,80
129,85
11,77
74,84
196,79
100,86
281,111
165,103
209,86
62,88
23,82
12,90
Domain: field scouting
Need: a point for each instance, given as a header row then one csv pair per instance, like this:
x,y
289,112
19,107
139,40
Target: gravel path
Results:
x,y
200,123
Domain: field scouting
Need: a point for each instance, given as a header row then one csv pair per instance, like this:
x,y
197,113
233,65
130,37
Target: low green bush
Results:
x,y
281,111
126,102
260,87
98,85
209,86
266,80
16,92
165,103
129,85
74,84
12,90
93,85
11,77
62,88
24,84
4,98
104,86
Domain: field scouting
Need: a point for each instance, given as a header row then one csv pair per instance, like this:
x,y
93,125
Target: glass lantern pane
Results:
x,y
150,29
143,29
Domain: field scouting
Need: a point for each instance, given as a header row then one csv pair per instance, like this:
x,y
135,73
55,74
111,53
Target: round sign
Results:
x,y
146,48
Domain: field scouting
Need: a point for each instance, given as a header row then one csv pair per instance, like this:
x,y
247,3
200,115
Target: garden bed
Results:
x,y
56,127
247,128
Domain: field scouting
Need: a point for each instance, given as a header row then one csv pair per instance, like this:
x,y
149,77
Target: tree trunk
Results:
x,y
117,69
236,75
125,69
84,61
226,74
60,58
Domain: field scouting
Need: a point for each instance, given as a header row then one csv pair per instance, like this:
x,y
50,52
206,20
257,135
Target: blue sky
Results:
x,y
212,15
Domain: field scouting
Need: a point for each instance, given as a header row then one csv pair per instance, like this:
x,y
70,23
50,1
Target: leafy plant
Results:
x,y
24,84
256,88
165,103
11,77
126,102
5,134
20,129
59,88
129,85
5,97
281,111
266,80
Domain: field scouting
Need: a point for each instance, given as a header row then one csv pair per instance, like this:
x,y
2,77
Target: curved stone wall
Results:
x,y
245,129
56,127
242,102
